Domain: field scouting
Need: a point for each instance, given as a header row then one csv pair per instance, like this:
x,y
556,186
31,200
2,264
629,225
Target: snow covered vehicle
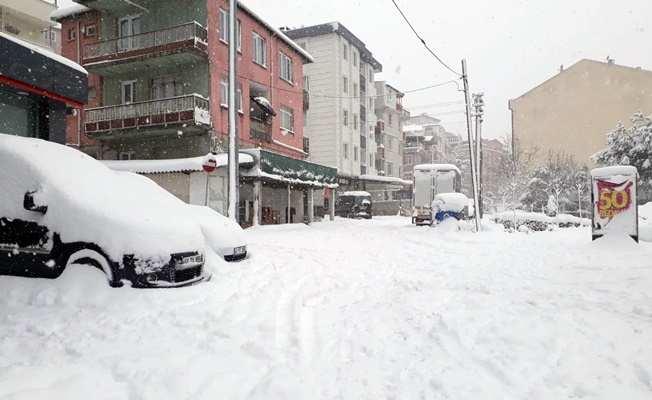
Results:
x,y
450,205
430,180
354,204
59,206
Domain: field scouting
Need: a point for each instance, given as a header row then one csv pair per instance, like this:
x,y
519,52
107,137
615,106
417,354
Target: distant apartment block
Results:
x,y
574,110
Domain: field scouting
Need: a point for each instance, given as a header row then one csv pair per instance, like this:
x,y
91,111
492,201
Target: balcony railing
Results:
x,y
151,113
261,131
159,38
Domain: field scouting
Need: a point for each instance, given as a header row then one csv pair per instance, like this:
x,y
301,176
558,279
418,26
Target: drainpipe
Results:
x,y
79,62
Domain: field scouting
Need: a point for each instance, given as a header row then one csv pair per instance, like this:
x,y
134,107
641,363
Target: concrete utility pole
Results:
x,y
478,104
234,179
476,196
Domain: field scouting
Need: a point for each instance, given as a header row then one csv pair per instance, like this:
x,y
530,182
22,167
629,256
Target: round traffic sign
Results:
x,y
210,163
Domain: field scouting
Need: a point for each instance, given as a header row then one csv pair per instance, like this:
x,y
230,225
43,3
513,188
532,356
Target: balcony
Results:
x,y
380,127
363,142
399,107
184,113
181,44
306,100
260,131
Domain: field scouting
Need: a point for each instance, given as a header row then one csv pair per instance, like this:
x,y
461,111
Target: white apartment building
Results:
x,y
340,122
390,117
29,20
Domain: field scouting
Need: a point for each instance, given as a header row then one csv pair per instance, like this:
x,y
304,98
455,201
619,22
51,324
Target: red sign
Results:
x,y
210,163
614,198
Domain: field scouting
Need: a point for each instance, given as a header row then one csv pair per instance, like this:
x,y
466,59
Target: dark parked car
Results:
x,y
59,206
354,204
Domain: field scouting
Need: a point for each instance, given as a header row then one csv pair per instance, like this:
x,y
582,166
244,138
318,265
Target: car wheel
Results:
x,y
96,258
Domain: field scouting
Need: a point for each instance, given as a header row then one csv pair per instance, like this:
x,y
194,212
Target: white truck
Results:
x,y
429,180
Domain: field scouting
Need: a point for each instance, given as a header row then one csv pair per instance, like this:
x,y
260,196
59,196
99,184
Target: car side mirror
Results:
x,y
30,205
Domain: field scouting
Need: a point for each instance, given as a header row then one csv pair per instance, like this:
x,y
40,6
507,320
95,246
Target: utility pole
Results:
x,y
478,104
234,179
474,176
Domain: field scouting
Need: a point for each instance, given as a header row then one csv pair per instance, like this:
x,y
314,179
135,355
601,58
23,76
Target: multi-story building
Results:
x,y
341,121
427,142
37,87
29,21
390,116
574,110
159,91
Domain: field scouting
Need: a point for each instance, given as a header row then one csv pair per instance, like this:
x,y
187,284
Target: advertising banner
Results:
x,y
613,193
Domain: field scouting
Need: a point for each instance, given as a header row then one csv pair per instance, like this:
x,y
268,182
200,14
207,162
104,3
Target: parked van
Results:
x,y
354,204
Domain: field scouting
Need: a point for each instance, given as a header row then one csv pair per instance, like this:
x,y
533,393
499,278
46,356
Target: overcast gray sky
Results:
x,y
510,46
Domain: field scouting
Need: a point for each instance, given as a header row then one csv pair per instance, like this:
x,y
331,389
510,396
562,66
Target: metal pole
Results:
x,y
476,196
478,103
233,122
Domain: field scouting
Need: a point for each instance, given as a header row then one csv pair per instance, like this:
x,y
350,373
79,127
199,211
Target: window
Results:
x,y
224,29
126,155
240,109
409,159
287,118
224,91
355,59
165,87
389,119
371,159
306,82
128,28
305,117
286,68
355,153
92,93
371,103
355,90
345,51
72,34
260,51
371,75
345,150
390,169
19,115
355,121
345,117
390,144
224,26
345,84
128,92
90,30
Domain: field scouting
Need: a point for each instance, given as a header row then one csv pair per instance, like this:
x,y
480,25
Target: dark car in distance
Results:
x,y
354,204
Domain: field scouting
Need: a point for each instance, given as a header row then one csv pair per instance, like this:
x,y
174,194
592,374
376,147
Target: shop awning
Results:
x,y
276,167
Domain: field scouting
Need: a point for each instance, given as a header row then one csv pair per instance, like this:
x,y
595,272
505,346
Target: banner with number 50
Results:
x,y
614,201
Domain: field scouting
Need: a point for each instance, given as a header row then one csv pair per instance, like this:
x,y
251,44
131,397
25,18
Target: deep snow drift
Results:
x,y
349,309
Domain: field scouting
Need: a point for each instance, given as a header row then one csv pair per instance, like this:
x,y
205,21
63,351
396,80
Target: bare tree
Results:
x,y
514,172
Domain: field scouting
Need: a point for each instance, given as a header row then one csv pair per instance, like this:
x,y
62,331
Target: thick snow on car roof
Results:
x,y
355,193
87,201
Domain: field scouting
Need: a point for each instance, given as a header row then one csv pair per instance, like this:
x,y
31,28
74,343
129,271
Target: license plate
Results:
x,y
191,260
421,212
239,250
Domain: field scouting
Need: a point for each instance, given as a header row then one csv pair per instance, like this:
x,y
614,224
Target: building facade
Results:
x,y
390,116
29,21
159,84
573,111
340,121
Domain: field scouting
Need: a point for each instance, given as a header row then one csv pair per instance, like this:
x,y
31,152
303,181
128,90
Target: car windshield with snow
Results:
x,y
59,207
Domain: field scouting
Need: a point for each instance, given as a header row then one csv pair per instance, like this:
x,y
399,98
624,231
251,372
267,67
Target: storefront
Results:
x,y
37,89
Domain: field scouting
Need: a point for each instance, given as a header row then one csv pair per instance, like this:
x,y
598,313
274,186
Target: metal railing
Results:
x,y
146,108
162,37
260,130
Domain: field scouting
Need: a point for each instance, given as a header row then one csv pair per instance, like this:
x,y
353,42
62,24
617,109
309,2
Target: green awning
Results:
x,y
281,168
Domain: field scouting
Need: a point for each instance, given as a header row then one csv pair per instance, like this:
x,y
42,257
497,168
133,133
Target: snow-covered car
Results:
x,y
59,206
221,234
450,205
354,204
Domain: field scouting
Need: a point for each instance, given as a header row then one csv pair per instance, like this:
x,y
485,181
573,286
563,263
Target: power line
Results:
x,y
423,41
449,103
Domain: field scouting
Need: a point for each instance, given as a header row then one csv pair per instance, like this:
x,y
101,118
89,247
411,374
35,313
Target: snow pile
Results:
x,y
349,309
522,217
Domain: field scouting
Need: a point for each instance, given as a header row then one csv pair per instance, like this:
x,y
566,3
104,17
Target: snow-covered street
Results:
x,y
349,309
